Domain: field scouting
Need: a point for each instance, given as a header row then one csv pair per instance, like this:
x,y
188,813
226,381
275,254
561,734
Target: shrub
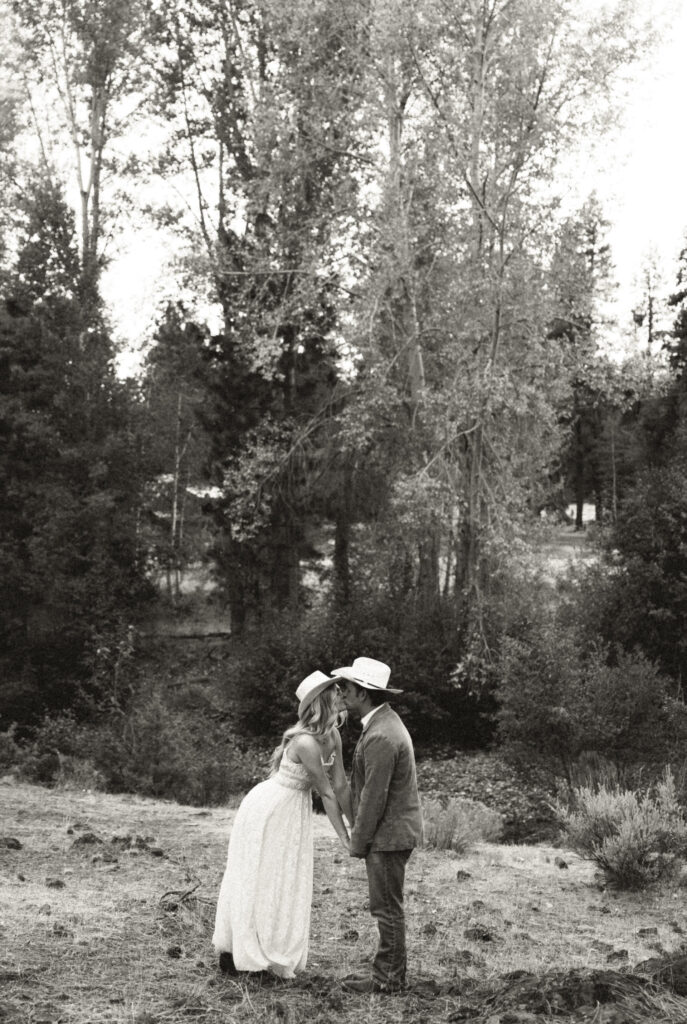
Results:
x,y
39,759
636,838
560,695
77,773
459,823
643,599
153,750
272,661
164,752
10,750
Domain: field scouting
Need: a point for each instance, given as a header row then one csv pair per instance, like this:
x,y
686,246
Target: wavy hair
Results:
x,y
319,718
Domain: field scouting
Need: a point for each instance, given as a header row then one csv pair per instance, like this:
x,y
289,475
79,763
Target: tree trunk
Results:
x,y
342,539
428,570
614,474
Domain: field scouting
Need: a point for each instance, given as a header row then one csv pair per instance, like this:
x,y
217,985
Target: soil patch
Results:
x,y
523,798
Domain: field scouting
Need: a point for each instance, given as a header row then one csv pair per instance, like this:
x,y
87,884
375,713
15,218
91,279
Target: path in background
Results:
x,y
199,611
564,548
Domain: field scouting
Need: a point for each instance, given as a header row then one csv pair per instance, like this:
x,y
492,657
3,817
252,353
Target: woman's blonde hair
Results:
x,y
319,718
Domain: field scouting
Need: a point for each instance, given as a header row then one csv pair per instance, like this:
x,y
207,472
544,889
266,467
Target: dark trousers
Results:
x,y
386,876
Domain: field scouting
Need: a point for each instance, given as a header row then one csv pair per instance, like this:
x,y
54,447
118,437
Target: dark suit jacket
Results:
x,y
386,803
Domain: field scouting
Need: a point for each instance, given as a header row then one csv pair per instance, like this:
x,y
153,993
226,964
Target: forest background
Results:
x,y
385,374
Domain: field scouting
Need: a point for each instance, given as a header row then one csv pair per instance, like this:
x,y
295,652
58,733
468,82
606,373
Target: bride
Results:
x,y
262,921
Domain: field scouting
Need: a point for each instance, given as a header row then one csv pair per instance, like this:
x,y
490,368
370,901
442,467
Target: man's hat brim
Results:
x,y
346,673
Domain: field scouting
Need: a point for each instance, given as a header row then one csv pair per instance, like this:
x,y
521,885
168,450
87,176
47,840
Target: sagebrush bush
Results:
x,y
459,824
79,774
636,838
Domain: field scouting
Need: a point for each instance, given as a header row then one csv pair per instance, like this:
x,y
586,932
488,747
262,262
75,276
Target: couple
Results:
x,y
263,912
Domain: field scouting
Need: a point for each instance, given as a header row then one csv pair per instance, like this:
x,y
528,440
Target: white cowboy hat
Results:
x,y
373,675
311,686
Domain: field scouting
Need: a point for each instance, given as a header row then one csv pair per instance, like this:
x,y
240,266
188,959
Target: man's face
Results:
x,y
350,697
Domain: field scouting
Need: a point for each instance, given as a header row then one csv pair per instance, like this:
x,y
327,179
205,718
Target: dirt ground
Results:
x,y
107,904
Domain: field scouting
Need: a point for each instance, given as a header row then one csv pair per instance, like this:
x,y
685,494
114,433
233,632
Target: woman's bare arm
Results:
x,y
307,750
340,782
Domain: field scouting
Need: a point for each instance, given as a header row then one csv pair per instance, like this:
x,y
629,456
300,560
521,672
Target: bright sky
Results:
x,y
639,174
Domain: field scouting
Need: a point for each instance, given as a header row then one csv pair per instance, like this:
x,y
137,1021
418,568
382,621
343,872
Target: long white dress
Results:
x,y
263,910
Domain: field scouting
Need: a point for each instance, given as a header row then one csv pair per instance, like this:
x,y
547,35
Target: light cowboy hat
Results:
x,y
373,675
311,686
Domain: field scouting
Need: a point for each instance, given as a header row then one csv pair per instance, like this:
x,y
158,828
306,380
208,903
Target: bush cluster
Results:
x,y
637,596
416,643
152,750
459,824
636,838
560,696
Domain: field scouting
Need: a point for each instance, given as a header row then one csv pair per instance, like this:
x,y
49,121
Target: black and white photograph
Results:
x,y
343,511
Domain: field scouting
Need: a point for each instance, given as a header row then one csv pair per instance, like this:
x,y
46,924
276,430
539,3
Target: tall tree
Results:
x,y
582,275
80,63
273,191
173,393
382,175
70,477
473,107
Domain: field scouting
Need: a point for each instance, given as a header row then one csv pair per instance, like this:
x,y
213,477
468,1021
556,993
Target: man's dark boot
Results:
x,y
226,964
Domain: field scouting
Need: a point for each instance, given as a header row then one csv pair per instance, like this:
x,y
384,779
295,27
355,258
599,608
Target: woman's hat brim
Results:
x,y
315,692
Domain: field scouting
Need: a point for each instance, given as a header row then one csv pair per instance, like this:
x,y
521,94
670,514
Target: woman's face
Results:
x,y
340,701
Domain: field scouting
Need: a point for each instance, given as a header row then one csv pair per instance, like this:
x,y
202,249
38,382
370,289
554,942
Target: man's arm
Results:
x,y
380,761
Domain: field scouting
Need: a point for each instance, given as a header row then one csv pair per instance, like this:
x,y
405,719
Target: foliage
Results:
x,y
459,824
561,693
10,749
373,218
637,597
80,64
70,476
414,642
272,87
152,749
166,752
636,838
372,223
176,529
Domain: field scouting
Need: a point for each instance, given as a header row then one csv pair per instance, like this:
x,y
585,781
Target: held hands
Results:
x,y
346,843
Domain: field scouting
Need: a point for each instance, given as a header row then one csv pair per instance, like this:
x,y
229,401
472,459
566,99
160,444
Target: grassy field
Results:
x,y
106,913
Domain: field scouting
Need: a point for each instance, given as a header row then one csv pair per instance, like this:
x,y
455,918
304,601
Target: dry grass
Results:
x,y
126,939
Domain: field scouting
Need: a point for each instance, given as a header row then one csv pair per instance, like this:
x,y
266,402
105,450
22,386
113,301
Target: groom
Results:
x,y
387,821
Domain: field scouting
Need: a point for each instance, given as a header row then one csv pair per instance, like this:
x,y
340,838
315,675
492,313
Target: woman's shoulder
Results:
x,y
304,743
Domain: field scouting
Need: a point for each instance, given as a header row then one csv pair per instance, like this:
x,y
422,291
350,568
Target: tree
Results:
x,y
649,314
173,394
80,60
70,476
474,105
676,344
273,188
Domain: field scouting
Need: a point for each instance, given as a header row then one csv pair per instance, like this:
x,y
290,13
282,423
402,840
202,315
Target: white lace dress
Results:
x,y
263,910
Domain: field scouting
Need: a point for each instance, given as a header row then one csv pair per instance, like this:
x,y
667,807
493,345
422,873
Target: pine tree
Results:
x,y
70,476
